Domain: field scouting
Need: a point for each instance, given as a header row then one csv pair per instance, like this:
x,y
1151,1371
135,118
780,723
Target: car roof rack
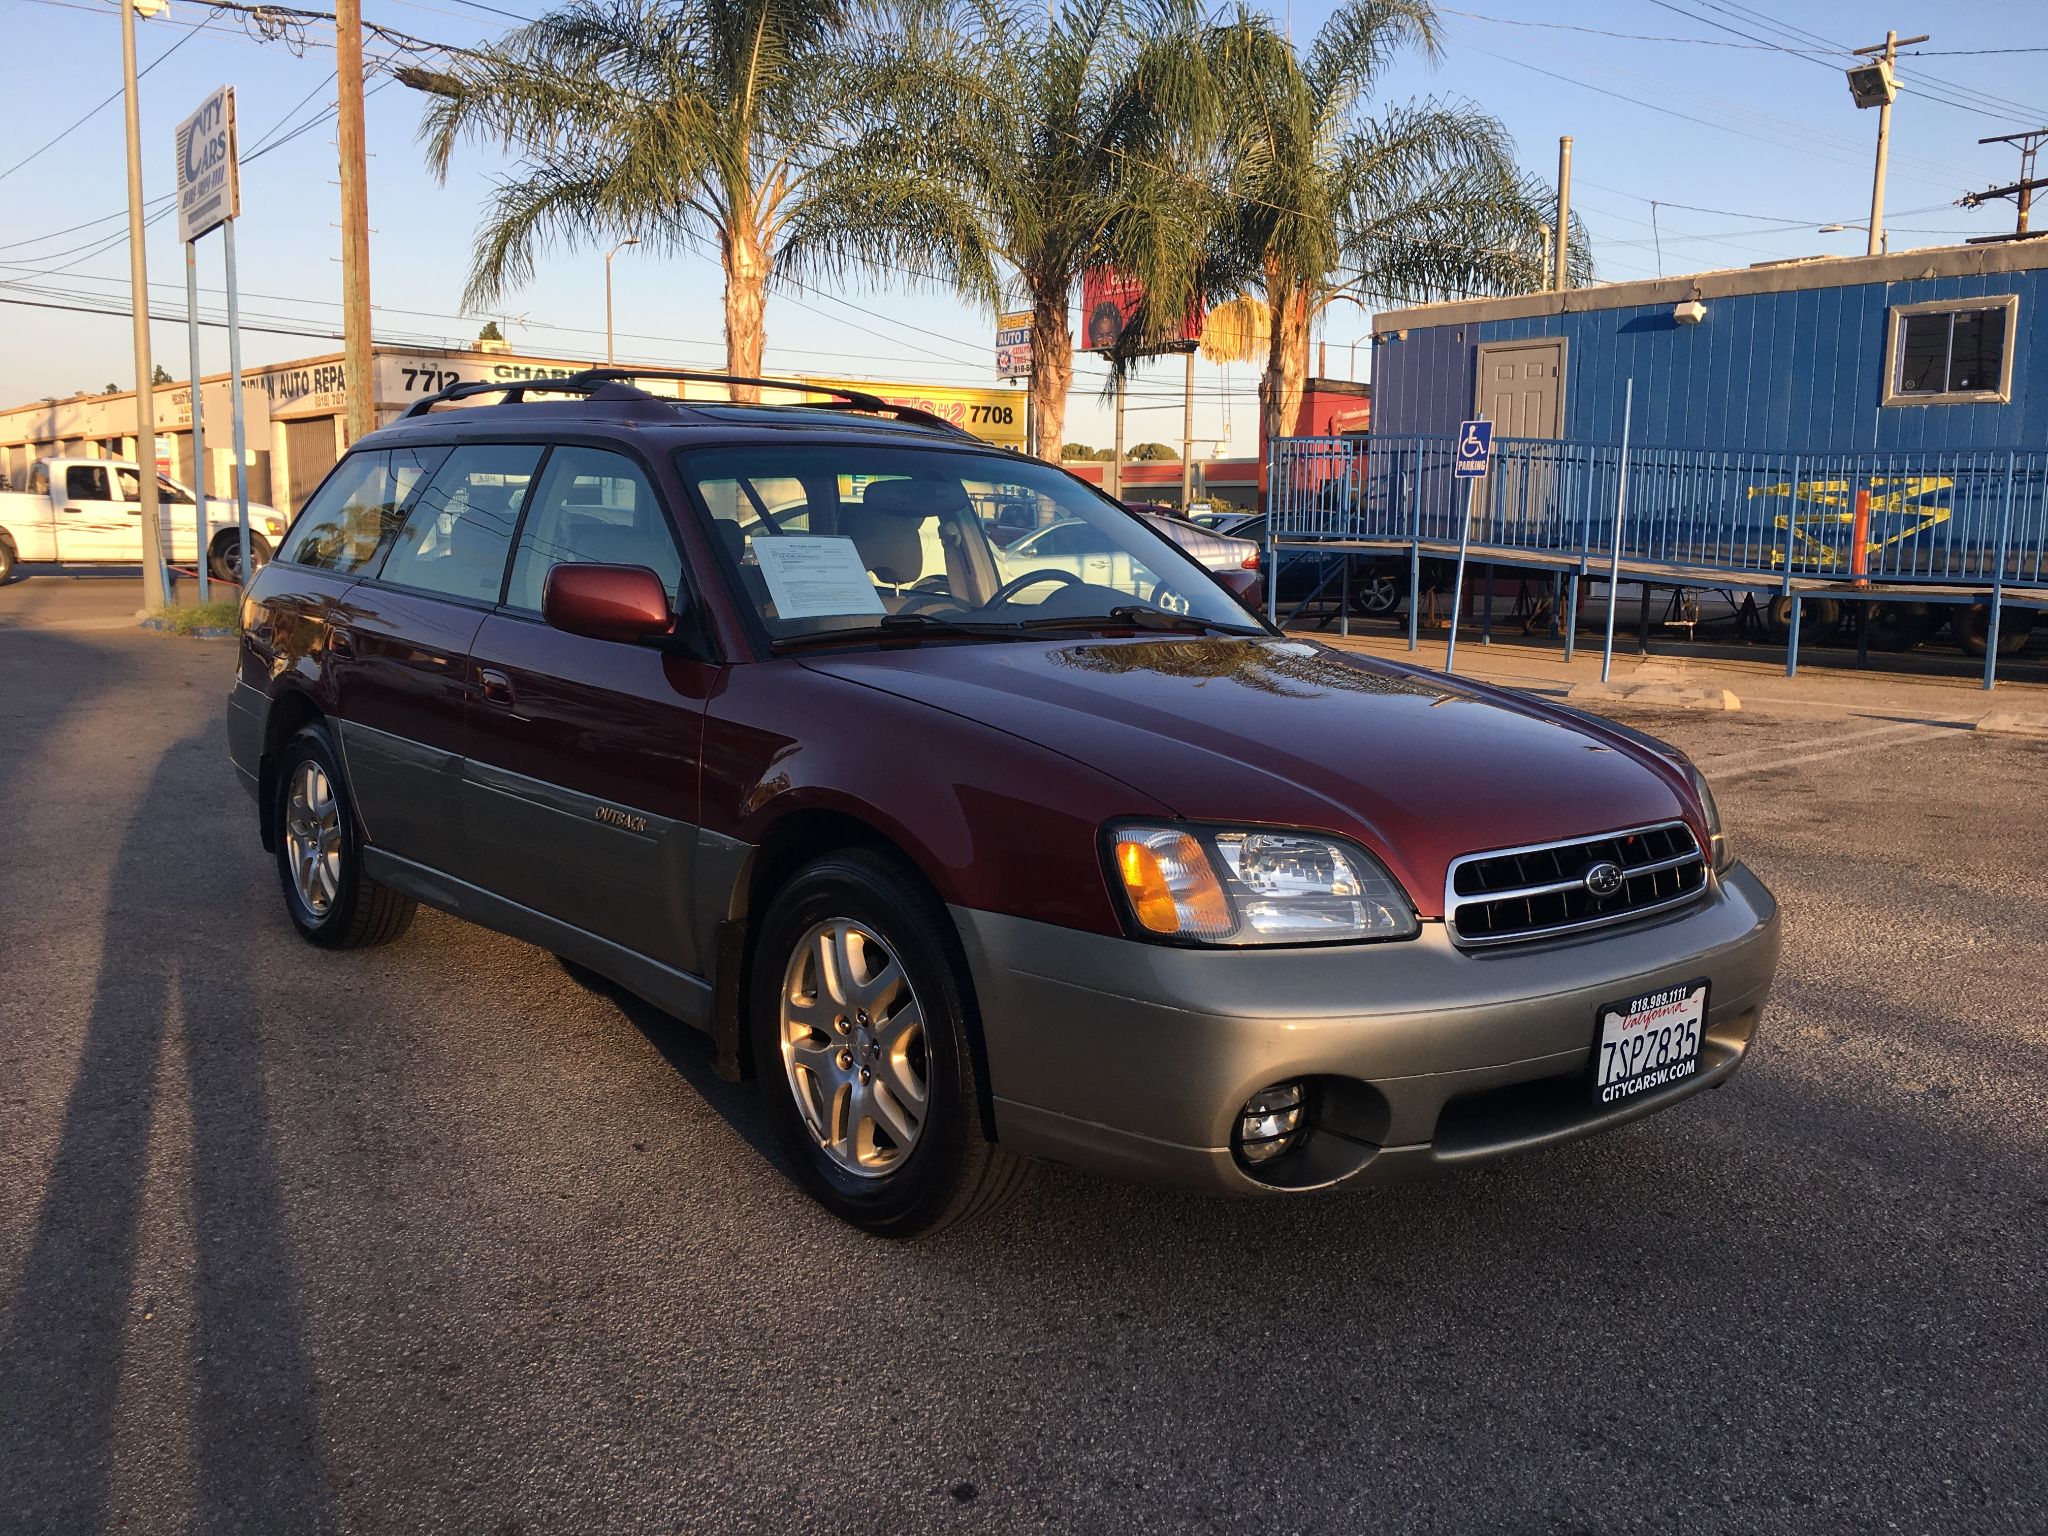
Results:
x,y
590,380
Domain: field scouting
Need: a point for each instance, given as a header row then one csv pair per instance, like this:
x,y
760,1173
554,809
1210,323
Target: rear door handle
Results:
x,y
496,685
341,644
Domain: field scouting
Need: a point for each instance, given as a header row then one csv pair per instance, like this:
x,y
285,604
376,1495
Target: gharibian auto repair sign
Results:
x,y
209,185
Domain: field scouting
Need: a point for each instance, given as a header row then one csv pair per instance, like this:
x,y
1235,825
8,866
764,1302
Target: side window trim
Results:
x,y
533,487
1895,351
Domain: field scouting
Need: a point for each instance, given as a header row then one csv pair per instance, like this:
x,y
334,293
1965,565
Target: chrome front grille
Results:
x,y
1512,895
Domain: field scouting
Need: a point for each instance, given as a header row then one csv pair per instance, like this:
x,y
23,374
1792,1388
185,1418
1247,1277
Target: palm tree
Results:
x,y
760,128
1322,201
1048,145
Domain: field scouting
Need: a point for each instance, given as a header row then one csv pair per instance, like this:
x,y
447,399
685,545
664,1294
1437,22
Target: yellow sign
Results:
x,y
994,415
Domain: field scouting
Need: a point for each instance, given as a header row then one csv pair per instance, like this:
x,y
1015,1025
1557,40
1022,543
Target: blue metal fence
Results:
x,y
1950,523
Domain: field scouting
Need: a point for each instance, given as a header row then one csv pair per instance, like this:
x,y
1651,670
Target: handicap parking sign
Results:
x,y
1475,443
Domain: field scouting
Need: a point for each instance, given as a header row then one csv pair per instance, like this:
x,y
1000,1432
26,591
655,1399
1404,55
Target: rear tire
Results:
x,y
224,555
1971,628
1376,596
6,560
858,1013
320,852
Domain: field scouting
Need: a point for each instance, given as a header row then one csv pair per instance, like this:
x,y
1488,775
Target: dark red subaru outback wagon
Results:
x,y
969,855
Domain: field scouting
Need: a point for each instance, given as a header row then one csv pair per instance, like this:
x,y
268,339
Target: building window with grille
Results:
x,y
1951,351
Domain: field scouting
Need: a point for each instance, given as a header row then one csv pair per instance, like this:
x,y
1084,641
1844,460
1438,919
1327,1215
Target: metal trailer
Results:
x,y
1914,531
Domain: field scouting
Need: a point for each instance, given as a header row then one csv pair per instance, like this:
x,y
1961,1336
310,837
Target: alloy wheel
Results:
x,y
853,1047
312,836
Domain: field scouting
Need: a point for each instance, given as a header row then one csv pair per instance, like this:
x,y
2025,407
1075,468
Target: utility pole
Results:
x,y
357,373
1873,85
155,580
1562,235
2021,191
1187,436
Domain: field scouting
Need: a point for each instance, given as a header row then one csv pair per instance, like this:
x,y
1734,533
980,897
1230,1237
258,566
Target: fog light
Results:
x,y
1270,1122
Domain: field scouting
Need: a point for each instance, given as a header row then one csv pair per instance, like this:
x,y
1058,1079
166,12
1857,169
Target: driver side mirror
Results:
x,y
1244,585
607,602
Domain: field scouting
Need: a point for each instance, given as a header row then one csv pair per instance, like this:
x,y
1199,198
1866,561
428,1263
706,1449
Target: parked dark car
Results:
x,y
969,862
1378,582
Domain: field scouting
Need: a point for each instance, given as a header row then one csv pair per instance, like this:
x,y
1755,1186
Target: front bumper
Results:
x,y
1133,1058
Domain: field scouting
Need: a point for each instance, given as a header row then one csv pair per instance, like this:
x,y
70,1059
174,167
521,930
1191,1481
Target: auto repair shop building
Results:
x,y
296,414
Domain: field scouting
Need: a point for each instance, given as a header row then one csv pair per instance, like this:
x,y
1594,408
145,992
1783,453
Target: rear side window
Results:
x,y
86,482
596,508
459,531
357,508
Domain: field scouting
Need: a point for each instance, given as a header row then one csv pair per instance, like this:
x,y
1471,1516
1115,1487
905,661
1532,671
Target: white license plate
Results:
x,y
1649,1042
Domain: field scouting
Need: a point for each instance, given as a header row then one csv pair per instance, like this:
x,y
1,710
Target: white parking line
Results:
x,y
1833,739
1860,742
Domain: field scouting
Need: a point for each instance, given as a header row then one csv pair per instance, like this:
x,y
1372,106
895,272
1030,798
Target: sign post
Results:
x,y
1475,448
210,198
198,420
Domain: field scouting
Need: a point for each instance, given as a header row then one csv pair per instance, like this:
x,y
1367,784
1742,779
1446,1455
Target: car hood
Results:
x,y
1419,767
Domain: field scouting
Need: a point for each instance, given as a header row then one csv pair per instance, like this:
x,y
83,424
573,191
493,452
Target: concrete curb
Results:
x,y
1662,695
158,626
2007,722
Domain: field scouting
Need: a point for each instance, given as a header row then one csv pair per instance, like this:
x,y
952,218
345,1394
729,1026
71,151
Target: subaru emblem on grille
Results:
x,y
1603,879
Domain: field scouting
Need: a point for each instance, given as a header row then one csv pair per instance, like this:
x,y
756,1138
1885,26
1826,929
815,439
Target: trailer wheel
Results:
x,y
1972,625
1897,626
1818,617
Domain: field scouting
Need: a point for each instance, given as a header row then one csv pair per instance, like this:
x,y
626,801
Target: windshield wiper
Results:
x,y
1138,616
894,626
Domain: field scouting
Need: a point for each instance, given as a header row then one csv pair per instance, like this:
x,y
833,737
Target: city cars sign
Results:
x,y
209,183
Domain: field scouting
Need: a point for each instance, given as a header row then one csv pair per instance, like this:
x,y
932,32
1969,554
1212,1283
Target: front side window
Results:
x,y
357,508
1956,352
459,531
595,508
827,540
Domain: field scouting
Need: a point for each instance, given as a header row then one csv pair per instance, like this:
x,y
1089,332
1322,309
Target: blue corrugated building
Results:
x,y
1931,350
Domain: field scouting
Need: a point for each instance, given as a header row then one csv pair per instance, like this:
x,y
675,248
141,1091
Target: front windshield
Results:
x,y
827,539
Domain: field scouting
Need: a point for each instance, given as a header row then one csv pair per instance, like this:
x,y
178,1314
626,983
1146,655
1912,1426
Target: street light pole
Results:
x,y
608,255
155,580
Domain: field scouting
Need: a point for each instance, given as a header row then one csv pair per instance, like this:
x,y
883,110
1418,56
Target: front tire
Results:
x,y
858,1014
224,555
319,853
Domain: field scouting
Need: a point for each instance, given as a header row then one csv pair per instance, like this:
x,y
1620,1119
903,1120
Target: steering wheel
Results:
x,y
1016,584
1169,599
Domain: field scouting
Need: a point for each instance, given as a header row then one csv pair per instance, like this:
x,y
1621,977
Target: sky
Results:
x,y
1707,134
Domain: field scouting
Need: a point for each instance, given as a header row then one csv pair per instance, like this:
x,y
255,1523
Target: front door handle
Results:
x,y
496,685
341,645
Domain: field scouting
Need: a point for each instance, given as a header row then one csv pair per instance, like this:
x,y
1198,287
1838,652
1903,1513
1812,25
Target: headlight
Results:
x,y
1717,852
1223,885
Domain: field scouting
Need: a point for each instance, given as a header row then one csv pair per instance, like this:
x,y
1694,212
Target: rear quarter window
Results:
x,y
358,508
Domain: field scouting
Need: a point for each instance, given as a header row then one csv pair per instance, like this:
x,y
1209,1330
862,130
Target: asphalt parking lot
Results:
x,y
434,1238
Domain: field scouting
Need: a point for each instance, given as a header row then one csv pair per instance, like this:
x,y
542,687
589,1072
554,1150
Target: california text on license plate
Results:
x,y
1649,1042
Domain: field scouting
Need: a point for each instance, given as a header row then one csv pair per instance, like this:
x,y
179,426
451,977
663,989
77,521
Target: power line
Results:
x,y
104,104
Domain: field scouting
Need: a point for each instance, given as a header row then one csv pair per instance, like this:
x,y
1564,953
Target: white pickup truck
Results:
x,y
88,512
